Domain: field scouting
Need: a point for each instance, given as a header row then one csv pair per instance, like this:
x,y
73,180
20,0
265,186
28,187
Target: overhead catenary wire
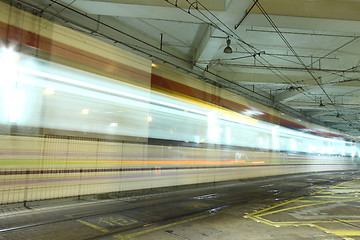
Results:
x,y
291,48
233,34
297,56
254,51
54,1
213,24
256,2
336,49
229,32
297,88
236,88
68,5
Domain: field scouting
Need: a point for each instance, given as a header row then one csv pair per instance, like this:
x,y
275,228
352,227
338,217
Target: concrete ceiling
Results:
x,y
299,56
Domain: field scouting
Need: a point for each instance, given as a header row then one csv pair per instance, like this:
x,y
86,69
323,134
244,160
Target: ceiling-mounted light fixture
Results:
x,y
228,49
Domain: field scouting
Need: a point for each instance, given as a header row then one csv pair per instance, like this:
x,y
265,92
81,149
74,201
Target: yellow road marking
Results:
x,y
257,215
158,228
345,232
276,206
305,222
332,190
318,227
262,220
314,201
340,190
329,196
93,226
116,221
125,237
290,208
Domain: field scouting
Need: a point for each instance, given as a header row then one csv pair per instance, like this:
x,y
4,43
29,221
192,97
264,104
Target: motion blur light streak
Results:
x,y
205,127
167,162
213,130
13,105
10,88
293,145
9,68
93,135
228,135
104,89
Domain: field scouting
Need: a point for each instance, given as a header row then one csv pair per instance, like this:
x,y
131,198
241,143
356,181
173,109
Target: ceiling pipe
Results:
x,y
286,68
302,33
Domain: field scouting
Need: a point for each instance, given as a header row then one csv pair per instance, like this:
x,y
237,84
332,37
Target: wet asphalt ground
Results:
x,y
319,206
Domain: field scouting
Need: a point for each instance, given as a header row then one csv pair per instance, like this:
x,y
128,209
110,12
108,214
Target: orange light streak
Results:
x,y
166,162
260,162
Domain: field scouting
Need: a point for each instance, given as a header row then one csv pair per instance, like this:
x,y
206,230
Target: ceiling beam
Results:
x,y
210,46
309,105
133,10
218,5
115,32
315,113
339,118
304,23
288,95
314,70
207,47
252,78
338,9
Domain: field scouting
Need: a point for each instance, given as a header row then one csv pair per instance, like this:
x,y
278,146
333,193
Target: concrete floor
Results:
x,y
318,206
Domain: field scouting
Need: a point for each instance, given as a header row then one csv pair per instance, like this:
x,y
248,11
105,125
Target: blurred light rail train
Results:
x,y
114,123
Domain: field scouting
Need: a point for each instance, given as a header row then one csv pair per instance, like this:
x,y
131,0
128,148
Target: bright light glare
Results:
x,y
323,149
14,103
252,112
49,91
213,129
14,71
228,135
85,111
310,148
261,141
293,145
113,124
275,142
9,67
108,90
9,54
